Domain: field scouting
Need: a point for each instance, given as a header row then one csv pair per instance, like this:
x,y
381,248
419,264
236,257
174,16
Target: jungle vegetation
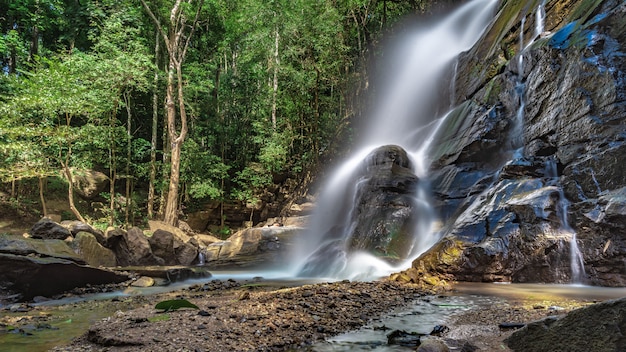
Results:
x,y
186,100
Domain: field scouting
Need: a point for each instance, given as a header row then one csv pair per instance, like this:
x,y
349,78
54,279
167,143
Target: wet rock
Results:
x,y
432,345
144,281
379,217
438,330
49,230
384,210
403,338
598,327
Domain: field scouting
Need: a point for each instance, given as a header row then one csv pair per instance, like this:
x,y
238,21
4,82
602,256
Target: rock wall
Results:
x,y
535,153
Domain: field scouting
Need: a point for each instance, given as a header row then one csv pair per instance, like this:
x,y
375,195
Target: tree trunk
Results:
x,y
70,190
155,124
34,45
170,214
13,181
112,170
177,42
128,156
41,197
275,81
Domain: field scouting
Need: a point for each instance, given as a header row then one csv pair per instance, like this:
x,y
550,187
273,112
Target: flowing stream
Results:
x,y
407,116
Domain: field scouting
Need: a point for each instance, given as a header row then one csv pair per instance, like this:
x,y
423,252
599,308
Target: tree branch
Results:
x,y
158,25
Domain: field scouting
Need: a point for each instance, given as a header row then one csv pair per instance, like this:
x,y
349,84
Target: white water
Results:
x,y
577,264
406,117
517,133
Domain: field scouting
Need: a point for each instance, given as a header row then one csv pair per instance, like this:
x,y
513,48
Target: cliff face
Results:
x,y
534,156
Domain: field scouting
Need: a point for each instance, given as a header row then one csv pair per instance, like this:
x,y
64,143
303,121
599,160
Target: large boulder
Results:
x,y
177,232
89,183
75,227
87,246
33,267
253,247
186,252
177,246
378,215
28,276
384,213
599,327
39,248
48,229
162,245
131,247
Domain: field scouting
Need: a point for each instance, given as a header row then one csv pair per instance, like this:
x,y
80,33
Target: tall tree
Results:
x,y
177,39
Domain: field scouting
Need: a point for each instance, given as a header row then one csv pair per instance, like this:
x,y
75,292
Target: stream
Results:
x,y
52,323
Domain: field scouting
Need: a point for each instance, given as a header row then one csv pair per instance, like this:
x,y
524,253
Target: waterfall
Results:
x,y
517,138
405,116
577,264
540,16
517,132
201,257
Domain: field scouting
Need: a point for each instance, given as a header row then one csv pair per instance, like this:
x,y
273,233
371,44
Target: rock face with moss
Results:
x,y
599,327
384,204
535,153
382,218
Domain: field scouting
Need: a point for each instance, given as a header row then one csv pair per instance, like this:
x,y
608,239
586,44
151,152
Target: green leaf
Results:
x,y
175,304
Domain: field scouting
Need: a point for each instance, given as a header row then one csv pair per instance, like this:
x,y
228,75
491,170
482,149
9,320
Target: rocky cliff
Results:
x,y
533,159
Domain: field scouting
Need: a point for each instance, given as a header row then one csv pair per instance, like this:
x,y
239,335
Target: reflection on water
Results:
x,y
268,278
541,291
423,316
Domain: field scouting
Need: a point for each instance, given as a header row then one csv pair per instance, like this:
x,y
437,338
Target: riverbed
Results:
x,y
245,311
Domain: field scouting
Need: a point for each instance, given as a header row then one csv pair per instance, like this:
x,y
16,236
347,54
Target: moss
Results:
x,y
584,10
492,91
451,253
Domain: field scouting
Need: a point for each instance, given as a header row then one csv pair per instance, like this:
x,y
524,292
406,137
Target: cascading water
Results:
x,y
577,264
406,117
517,132
576,259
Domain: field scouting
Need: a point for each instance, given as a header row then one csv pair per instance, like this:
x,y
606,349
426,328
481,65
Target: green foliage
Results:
x,y
175,304
250,181
273,155
63,99
202,171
